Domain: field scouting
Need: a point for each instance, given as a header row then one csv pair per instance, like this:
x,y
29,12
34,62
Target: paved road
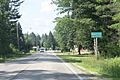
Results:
x,y
41,66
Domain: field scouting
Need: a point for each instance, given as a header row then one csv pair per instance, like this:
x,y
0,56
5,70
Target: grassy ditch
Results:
x,y
107,67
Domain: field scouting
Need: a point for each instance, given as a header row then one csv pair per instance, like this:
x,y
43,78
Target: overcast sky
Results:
x,y
37,16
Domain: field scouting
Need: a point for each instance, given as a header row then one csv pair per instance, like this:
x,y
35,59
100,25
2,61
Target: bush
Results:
x,y
111,67
110,51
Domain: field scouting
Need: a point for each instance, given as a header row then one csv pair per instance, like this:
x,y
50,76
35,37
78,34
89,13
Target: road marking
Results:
x,y
73,71
15,76
27,66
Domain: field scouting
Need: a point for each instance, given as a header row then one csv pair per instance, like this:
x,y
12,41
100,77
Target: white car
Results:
x,y
42,49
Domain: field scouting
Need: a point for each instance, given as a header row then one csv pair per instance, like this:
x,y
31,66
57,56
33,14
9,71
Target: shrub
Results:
x,y
111,67
110,51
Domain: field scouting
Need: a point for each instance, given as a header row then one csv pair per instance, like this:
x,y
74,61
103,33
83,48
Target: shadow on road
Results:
x,y
45,75
37,72
40,58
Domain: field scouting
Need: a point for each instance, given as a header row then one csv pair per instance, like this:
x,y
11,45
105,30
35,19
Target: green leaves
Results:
x,y
9,16
88,16
65,32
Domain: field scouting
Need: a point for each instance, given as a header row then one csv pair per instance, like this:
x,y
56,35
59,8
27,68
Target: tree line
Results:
x,y
12,40
11,36
46,41
86,16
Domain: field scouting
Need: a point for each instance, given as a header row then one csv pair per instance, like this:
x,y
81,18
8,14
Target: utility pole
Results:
x,y
17,28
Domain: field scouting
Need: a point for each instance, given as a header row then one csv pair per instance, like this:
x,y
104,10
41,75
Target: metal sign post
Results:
x,y
96,35
96,47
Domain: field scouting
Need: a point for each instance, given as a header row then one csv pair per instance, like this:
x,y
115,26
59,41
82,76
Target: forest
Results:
x,y
12,40
85,16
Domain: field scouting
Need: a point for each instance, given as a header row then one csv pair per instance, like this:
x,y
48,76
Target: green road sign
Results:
x,y
96,34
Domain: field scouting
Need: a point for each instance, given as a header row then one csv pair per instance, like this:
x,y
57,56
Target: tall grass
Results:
x,y
111,67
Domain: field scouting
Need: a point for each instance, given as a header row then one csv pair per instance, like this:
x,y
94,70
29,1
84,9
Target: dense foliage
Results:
x,y
32,40
11,37
48,41
84,17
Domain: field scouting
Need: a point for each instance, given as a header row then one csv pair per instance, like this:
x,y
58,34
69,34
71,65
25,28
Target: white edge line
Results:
x,y
75,73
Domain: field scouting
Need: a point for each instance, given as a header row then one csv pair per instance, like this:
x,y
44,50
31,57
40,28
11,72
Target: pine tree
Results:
x,y
51,41
38,40
90,16
8,18
33,39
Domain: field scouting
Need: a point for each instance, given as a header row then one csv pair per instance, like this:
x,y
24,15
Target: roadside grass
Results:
x,y
15,56
106,67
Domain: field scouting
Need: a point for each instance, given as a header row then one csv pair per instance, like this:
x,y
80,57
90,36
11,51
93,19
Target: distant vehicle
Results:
x,y
42,50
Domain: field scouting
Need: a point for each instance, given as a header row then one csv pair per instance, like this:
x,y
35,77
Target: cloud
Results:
x,y
37,16
46,6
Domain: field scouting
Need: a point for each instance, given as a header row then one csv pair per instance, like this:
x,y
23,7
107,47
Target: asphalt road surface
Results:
x,y
41,66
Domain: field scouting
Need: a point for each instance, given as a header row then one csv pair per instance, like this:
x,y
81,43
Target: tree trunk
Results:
x,y
79,52
79,48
